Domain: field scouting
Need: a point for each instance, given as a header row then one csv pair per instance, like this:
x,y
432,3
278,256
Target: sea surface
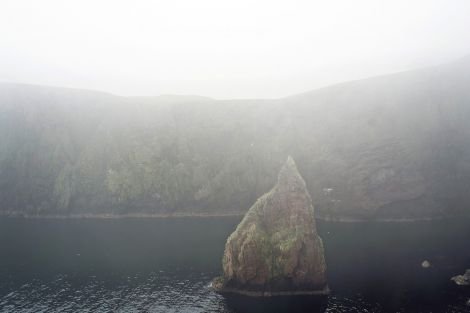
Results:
x,y
166,265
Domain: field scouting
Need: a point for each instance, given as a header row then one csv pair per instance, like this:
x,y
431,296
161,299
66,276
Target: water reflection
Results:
x,y
298,304
167,266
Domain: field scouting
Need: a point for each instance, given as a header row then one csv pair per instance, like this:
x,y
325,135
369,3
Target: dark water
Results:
x,y
166,265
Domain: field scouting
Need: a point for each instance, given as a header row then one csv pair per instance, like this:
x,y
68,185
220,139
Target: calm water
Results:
x,y
166,265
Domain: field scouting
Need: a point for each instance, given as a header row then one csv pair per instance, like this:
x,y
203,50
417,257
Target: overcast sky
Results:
x,y
224,49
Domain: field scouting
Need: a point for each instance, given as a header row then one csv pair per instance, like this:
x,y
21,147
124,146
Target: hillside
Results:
x,y
389,147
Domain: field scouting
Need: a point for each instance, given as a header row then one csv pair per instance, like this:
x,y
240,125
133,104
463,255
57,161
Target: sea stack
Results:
x,y
275,250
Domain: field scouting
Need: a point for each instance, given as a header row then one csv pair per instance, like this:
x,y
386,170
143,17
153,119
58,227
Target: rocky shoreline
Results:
x,y
212,215
116,216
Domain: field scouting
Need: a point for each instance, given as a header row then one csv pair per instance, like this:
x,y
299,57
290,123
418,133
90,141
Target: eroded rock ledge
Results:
x,y
275,250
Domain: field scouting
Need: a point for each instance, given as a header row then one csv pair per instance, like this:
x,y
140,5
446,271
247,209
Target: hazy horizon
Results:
x,y
267,49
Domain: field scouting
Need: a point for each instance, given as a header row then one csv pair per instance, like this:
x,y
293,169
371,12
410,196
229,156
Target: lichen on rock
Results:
x,y
275,250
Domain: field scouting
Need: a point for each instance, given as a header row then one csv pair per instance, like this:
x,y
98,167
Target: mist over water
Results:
x,y
135,134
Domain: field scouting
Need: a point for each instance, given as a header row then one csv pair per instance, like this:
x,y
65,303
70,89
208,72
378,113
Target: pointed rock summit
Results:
x,y
275,249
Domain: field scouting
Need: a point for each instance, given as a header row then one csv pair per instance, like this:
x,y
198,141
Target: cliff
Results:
x,y
393,147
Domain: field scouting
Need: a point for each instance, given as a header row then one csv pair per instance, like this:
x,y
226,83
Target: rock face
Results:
x,y
462,280
388,148
276,250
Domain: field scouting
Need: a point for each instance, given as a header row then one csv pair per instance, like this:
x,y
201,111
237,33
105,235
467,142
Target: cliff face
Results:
x,y
276,249
386,148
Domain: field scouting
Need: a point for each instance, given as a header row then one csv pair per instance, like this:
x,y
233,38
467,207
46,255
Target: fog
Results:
x,y
223,49
234,156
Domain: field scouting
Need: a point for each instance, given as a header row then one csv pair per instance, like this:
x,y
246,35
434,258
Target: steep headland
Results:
x,y
393,147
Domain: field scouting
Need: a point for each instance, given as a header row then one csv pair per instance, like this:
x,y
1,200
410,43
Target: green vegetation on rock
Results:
x,y
276,248
391,147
